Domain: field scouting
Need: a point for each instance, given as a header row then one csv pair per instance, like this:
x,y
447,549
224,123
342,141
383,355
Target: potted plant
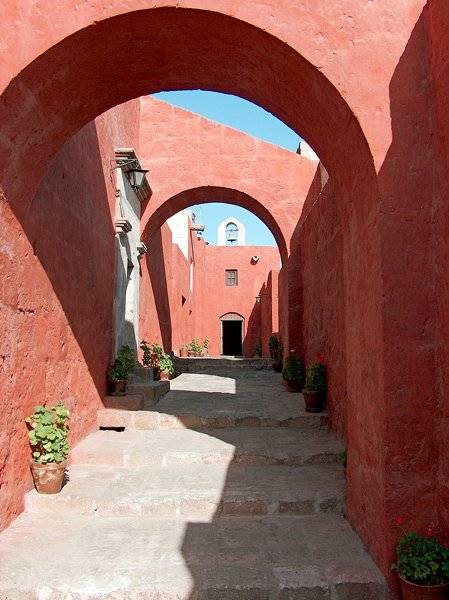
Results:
x,y
293,373
151,356
278,356
166,367
119,371
195,348
422,563
184,351
257,350
206,347
315,389
48,437
273,344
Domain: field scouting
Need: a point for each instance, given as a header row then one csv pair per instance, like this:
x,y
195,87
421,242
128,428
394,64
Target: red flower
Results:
x,y
400,521
319,358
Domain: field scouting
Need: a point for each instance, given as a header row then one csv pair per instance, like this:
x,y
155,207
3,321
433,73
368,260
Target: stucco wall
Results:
x,y
57,293
437,27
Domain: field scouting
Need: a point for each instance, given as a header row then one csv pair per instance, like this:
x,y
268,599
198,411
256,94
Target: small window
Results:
x,y
231,277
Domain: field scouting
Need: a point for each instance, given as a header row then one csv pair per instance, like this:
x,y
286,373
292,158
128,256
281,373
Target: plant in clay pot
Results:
x,y
48,437
119,371
293,373
195,348
257,352
184,351
166,366
314,391
151,356
422,563
206,347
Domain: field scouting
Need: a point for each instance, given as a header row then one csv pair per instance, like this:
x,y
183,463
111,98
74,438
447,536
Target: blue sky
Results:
x,y
247,117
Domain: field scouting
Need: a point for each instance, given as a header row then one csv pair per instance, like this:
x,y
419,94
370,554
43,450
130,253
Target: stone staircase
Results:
x,y
226,489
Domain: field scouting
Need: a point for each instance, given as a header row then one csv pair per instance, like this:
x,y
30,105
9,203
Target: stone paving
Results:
x,y
248,512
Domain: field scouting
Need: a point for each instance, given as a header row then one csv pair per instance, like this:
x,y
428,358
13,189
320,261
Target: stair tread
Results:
x,y
213,488
232,557
259,445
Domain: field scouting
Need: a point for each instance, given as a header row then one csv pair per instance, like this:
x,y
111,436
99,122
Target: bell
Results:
x,y
232,237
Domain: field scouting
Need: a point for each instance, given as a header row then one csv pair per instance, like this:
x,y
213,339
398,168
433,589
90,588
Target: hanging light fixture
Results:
x,y
136,177
131,167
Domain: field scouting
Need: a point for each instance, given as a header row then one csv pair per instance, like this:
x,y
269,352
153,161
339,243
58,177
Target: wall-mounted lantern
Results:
x,y
131,167
258,298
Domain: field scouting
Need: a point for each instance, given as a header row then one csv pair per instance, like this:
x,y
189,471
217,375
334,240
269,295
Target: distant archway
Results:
x,y
213,194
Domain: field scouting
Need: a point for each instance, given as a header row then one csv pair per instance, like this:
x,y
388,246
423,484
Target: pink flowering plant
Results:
x,y
423,560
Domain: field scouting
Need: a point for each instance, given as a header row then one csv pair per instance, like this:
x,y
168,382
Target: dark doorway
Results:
x,y
232,338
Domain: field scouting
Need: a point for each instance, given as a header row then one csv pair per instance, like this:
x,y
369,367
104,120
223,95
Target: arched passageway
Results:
x,y
54,84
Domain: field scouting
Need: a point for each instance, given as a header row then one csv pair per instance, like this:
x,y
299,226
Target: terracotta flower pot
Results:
x,y
117,387
413,591
48,477
314,400
293,386
183,353
165,375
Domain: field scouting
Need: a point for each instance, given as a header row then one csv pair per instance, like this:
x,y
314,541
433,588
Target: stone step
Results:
x,y
243,445
192,490
109,418
132,557
139,396
221,365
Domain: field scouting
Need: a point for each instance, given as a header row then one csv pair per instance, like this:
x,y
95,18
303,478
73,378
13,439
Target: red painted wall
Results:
x,y
166,280
437,27
320,293
57,290
240,299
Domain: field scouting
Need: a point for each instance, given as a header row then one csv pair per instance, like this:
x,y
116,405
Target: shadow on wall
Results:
x,y
317,309
410,259
260,323
157,270
70,228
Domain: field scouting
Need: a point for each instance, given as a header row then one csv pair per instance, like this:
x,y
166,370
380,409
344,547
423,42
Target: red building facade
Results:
x,y
364,275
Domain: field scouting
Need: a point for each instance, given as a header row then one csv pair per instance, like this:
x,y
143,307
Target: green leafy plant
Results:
x,y
273,344
195,347
316,376
151,354
293,369
344,458
257,349
122,365
206,344
48,433
423,560
166,363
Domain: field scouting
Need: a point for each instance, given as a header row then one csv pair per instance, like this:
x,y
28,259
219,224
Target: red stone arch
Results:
x,y
140,52
213,194
278,58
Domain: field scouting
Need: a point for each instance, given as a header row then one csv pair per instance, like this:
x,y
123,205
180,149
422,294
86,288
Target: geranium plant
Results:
x,y
48,434
293,369
122,365
423,560
316,375
151,353
166,363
